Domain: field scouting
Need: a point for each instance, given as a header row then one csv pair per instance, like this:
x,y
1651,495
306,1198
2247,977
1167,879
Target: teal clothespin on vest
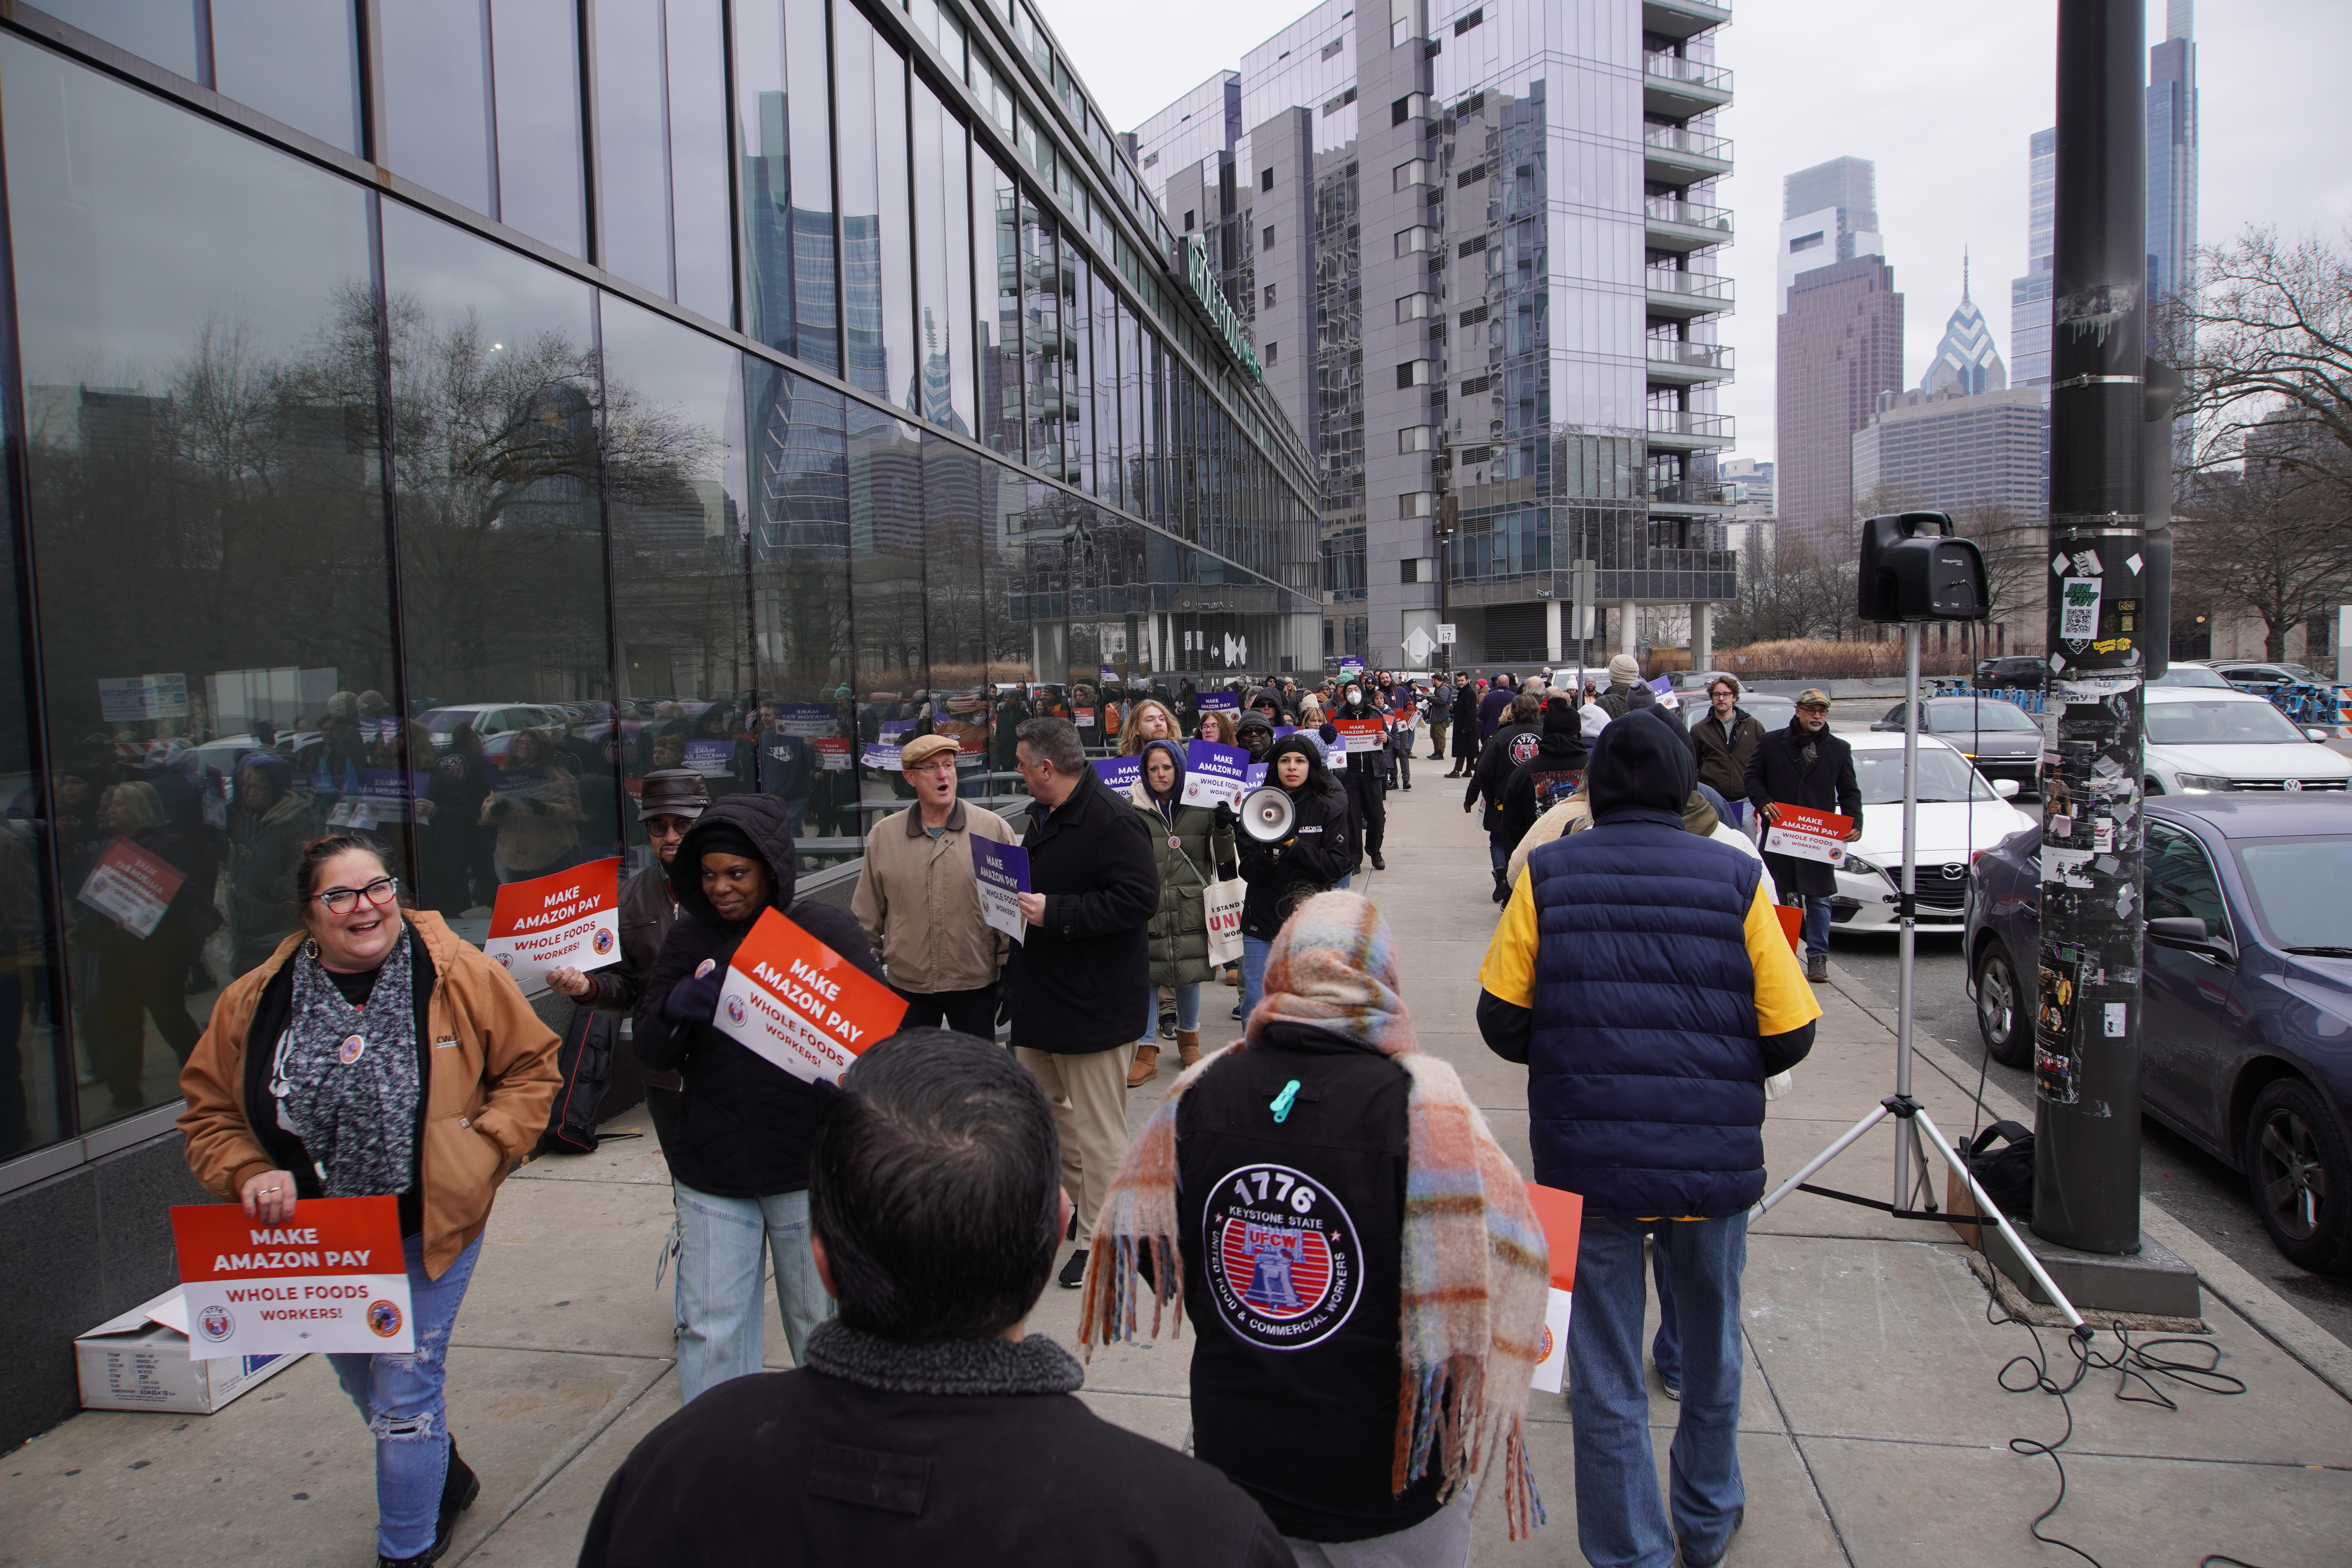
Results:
x,y
1283,1101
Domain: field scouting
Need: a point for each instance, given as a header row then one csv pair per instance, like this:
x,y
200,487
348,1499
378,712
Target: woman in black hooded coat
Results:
x,y
742,1165
1316,853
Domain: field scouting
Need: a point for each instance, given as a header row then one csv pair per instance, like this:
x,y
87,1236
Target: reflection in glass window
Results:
x,y
165,32
1041,310
536,55
295,61
701,212
495,405
799,476
632,137
210,416
673,446
998,201
1084,367
437,110
782,108
943,265
877,249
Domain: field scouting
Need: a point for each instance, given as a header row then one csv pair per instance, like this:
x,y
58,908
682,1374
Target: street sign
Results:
x,y
1445,632
1417,644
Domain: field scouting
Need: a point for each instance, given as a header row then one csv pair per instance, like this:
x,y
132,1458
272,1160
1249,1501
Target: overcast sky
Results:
x,y
1941,94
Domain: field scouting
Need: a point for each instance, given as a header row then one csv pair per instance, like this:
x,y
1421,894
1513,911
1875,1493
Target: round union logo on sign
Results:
x,y
1283,1263
603,943
214,1324
383,1316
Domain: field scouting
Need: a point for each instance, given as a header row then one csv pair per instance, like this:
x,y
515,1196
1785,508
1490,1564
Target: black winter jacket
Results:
x,y
648,911
1511,745
1776,771
1321,850
1079,981
1540,783
1723,764
747,1121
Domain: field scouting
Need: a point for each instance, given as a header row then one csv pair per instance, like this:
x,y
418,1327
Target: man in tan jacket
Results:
x,y
919,902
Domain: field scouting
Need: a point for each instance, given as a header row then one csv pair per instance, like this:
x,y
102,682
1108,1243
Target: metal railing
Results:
x,y
1692,285
1697,356
1689,215
1697,73
1689,422
1680,139
1690,493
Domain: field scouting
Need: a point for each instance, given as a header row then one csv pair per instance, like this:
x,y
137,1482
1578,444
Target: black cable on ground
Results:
x,y
2134,1363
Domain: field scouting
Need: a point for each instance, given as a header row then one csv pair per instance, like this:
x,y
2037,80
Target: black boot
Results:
x,y
1502,888
459,1487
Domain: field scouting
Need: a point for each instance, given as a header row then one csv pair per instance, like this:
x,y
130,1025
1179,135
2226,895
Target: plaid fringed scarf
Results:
x,y
1475,1268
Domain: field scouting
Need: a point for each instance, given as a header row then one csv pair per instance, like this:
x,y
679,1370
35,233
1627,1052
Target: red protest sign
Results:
x,y
329,1279
1561,1214
1362,734
801,1005
1808,834
132,887
570,917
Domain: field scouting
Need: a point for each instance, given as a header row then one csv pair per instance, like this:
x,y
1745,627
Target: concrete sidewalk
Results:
x,y
1873,1432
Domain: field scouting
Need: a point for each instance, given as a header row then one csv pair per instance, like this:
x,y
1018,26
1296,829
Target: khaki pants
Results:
x,y
1437,728
1089,1097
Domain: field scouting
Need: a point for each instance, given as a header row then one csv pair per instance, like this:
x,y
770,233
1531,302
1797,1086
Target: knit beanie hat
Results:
x,y
1623,670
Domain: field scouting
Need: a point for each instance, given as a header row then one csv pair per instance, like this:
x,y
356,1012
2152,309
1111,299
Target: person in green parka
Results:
x,y
1195,845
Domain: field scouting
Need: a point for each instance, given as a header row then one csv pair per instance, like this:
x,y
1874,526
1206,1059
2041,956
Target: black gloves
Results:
x,y
694,1001
1225,817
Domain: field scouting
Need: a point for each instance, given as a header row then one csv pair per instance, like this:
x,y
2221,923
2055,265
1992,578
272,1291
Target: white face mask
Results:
x,y
1354,695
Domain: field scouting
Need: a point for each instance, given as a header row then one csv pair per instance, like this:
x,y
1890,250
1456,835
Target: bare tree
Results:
x,y
2016,548
2273,539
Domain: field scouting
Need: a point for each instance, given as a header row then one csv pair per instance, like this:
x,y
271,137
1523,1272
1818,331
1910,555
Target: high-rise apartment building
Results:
x,y
1476,242
1749,483
1840,345
1829,213
2029,296
1966,360
2172,155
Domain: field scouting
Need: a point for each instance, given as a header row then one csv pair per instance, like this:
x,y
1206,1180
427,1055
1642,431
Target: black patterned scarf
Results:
x,y
346,1078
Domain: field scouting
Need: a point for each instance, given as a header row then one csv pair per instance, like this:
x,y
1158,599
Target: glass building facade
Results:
x,y
431,418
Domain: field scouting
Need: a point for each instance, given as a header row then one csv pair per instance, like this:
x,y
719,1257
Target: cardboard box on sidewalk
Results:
x,y
140,1361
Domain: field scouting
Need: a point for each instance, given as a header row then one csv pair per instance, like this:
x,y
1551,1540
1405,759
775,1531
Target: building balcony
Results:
x,y
1683,18
1694,498
1687,294
1677,155
1672,85
1685,226
1686,430
1688,364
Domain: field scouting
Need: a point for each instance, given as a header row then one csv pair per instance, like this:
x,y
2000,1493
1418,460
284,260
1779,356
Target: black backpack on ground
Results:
x,y
2006,1174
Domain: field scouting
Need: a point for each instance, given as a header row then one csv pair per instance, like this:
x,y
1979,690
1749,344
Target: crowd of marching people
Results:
x,y
1359,1258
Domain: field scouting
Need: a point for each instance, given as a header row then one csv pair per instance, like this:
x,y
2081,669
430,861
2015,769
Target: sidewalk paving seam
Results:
x,y
2072,1450
1789,1433
2273,1317
562,1460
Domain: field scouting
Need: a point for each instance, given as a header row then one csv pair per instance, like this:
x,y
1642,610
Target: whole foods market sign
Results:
x,y
1203,281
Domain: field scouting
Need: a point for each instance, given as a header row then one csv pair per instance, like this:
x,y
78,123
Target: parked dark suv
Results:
x,y
2246,1036
2010,669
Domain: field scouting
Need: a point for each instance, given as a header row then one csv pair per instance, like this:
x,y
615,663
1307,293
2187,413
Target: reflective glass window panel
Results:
x,y
163,31
675,483
1041,310
998,210
436,88
700,214
885,575
536,55
207,513
877,242
816,289
496,403
1084,367
295,61
943,264
631,143
799,478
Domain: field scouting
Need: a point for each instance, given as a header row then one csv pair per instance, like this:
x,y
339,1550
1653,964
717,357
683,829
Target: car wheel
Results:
x,y
2001,1014
2301,1176
2151,785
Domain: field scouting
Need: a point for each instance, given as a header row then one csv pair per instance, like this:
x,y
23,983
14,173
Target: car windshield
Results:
x,y
1947,718
1943,776
2220,724
2297,885
441,720
2194,675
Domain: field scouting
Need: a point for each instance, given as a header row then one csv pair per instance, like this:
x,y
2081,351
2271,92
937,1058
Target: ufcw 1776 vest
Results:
x,y
1645,1083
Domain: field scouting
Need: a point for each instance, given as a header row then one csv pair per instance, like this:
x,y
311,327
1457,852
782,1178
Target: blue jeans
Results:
x,y
1667,1344
1621,1522
721,1284
1188,1011
1498,849
1254,952
400,1397
1816,929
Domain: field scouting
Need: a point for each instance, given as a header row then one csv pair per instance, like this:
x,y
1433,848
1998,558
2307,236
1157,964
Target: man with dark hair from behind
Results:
x,y
925,1427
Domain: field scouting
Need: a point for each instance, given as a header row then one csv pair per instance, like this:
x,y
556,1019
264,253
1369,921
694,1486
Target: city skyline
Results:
x,y
1946,182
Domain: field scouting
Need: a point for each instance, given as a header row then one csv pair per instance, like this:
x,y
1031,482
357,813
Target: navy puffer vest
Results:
x,y
1645,1086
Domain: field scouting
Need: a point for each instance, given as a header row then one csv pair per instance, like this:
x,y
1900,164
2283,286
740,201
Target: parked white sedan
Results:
x,y
2205,742
1961,815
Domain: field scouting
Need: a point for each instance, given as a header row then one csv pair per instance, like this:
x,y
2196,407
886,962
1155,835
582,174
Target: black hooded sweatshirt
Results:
x,y
748,1122
1544,780
1320,850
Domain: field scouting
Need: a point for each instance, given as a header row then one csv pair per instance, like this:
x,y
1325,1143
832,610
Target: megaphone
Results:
x,y
1268,814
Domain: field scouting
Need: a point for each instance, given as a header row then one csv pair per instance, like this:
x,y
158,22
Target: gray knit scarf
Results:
x,y
966,1367
346,1079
